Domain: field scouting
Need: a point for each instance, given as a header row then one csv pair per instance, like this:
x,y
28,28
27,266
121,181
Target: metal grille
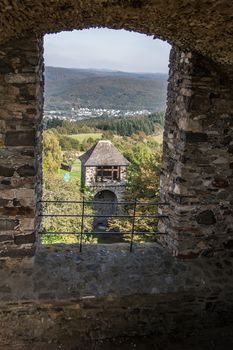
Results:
x,y
83,215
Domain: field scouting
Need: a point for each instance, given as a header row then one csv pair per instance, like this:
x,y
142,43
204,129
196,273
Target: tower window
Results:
x,y
105,173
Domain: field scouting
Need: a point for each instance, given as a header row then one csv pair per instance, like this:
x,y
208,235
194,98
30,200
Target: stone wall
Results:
x,y
197,165
117,187
90,174
202,26
196,175
119,191
106,292
21,99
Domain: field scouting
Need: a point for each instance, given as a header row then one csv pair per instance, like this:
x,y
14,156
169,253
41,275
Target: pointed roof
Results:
x,y
103,153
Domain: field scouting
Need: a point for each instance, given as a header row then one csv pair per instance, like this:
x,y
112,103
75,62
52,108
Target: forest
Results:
x,y
67,88
137,138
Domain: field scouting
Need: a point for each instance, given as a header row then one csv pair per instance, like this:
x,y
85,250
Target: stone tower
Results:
x,y
104,169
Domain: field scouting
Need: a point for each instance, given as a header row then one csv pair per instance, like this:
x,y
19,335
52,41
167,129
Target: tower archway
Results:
x,y
104,206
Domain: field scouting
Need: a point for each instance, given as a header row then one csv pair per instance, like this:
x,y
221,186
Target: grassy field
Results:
x,y
158,138
76,170
76,167
82,137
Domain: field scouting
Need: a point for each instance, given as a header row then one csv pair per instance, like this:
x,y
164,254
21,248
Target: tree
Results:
x,y
52,155
56,189
143,186
138,155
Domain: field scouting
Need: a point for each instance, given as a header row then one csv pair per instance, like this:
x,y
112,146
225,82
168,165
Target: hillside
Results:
x,y
66,88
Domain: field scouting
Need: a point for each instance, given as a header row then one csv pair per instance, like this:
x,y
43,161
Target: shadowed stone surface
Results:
x,y
106,292
215,339
206,218
196,175
202,26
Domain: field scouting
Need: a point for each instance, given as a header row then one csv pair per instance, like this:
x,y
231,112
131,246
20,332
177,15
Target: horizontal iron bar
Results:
x,y
102,202
101,233
103,216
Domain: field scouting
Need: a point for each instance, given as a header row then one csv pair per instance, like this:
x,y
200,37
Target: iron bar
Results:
x,y
102,202
82,225
123,202
101,233
132,217
103,216
133,226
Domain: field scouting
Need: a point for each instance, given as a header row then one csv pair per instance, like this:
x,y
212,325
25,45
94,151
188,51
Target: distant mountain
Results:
x,y
67,87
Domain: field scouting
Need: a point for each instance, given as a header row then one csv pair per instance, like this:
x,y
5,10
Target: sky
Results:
x,y
106,49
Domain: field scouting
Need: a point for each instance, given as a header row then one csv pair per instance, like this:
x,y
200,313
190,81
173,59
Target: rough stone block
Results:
x,y
20,138
17,211
3,202
6,182
8,224
206,217
193,137
220,182
6,238
27,224
5,289
24,239
25,78
6,171
229,244
5,68
10,252
26,170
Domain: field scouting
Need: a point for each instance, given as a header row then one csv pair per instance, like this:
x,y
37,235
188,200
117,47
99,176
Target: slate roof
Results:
x,y
103,153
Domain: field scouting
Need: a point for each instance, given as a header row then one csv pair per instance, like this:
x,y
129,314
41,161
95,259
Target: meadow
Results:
x,y
75,172
83,137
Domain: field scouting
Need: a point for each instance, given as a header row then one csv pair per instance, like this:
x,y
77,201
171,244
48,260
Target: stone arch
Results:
x,y
111,191
198,121
203,27
196,176
108,196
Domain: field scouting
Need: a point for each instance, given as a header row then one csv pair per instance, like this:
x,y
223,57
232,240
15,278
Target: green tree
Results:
x,y
143,186
56,189
52,155
138,155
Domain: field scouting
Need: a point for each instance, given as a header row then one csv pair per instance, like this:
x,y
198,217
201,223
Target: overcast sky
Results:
x,y
107,49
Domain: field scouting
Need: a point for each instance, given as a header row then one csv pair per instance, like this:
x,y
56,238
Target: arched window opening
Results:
x,y
105,100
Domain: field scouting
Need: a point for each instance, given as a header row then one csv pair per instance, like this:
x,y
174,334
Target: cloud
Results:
x,y
107,49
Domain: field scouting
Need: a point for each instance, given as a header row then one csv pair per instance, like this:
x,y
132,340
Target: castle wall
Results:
x,y
196,173
107,291
21,98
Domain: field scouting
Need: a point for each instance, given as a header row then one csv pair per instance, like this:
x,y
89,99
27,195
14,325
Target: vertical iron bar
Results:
x,y
82,225
133,225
